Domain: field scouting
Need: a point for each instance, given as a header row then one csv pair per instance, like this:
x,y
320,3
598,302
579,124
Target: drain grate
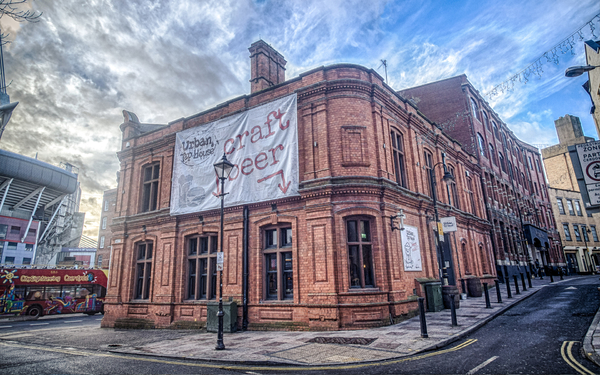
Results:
x,y
342,340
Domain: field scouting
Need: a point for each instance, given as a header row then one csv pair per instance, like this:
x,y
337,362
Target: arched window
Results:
x,y
474,108
360,254
501,160
486,120
202,266
143,273
496,132
481,145
492,154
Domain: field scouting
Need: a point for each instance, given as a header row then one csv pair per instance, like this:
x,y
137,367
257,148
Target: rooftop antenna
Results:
x,y
384,64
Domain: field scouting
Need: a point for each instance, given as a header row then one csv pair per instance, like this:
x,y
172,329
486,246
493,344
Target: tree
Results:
x,y
10,8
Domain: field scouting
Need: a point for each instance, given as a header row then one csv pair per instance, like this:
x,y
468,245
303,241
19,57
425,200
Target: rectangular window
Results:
x,y
585,233
143,270
471,197
567,233
3,231
29,247
279,275
31,233
398,155
26,260
102,242
428,167
578,207
100,260
360,257
151,174
12,246
561,208
104,222
9,260
594,233
576,231
202,262
105,205
15,230
570,207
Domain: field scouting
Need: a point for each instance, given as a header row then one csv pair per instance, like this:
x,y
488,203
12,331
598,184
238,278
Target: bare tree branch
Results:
x,y
10,8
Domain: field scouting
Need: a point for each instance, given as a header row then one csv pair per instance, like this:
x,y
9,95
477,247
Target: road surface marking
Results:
x,y
482,365
71,321
571,288
5,326
13,344
565,352
39,324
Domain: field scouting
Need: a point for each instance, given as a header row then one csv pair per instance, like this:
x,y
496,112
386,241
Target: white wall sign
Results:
x,y
261,142
411,251
449,224
589,158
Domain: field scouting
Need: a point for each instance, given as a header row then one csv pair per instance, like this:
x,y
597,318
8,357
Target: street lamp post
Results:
x,y
576,71
222,168
447,177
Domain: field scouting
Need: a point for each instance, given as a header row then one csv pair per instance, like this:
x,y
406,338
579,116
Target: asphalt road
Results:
x,y
540,335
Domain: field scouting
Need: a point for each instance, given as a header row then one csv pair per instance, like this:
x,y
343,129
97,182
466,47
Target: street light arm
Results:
x,y
576,71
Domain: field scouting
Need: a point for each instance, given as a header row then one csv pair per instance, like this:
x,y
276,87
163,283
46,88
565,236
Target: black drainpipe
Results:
x,y
245,272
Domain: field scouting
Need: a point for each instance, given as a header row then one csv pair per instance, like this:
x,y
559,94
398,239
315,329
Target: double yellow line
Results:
x,y
567,354
244,368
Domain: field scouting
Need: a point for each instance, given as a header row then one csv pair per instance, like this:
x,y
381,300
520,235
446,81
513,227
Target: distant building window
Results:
x,y
428,166
530,164
481,145
398,155
31,233
567,232
452,190
584,231
594,233
105,205
536,188
496,132
486,120
99,261
102,242
15,230
537,164
570,206
3,231
104,223
492,154
501,159
474,108
29,247
578,207
11,246
151,174
26,260
471,197
9,260
577,233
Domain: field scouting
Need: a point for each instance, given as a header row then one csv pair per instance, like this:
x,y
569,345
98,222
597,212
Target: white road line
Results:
x,y
482,365
71,321
5,326
39,324
99,319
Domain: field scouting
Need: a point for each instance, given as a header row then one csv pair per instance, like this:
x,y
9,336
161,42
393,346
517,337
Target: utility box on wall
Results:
x,y
229,317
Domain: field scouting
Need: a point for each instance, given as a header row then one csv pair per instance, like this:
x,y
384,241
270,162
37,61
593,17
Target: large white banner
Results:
x,y
411,251
261,142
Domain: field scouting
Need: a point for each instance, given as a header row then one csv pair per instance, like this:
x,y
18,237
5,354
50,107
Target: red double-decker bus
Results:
x,y
37,292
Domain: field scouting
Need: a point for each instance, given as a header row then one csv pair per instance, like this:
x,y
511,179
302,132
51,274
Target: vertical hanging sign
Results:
x,y
411,251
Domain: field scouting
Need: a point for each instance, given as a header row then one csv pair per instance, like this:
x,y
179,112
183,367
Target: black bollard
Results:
x,y
422,317
488,305
523,282
508,287
529,280
497,282
453,311
551,277
560,272
541,273
517,291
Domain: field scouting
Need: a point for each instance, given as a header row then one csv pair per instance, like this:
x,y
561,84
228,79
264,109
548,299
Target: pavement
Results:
x,y
317,348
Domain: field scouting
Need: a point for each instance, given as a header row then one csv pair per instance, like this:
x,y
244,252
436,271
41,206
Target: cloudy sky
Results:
x,y
75,70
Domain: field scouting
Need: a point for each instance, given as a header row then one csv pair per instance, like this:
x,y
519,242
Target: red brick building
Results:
x,y
325,258
516,194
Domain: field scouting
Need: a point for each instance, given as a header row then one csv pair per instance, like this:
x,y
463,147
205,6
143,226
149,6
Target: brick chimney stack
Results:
x,y
267,66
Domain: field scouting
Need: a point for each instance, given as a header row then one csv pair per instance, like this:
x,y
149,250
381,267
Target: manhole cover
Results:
x,y
342,340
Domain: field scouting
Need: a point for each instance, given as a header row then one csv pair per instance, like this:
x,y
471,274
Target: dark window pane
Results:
x,y
286,237
154,196
156,172
214,241
142,251
213,279
192,279
149,251
193,246
365,231
271,260
368,265
148,280
203,245
352,232
140,280
147,174
203,279
288,283
355,265
271,238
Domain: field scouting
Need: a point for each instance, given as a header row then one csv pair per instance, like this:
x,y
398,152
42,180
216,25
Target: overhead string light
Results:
x,y
535,69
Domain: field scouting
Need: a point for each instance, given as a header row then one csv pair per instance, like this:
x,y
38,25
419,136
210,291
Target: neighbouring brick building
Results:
x,y
516,196
325,258
109,205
